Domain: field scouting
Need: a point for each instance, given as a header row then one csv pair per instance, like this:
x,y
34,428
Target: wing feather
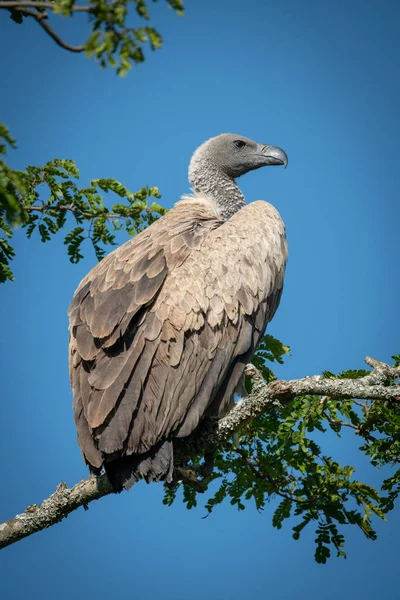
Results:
x,y
162,328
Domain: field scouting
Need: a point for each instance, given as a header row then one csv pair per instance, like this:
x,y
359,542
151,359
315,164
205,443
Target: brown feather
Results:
x,y
166,324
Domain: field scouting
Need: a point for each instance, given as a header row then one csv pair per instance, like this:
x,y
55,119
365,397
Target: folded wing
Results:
x,y
162,328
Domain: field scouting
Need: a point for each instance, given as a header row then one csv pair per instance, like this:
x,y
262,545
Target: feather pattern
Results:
x,y
162,328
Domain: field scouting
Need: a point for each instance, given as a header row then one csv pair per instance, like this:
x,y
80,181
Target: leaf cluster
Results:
x,y
280,456
10,186
269,350
44,200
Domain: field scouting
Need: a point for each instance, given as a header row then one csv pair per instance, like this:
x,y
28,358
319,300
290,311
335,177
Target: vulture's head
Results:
x,y
235,155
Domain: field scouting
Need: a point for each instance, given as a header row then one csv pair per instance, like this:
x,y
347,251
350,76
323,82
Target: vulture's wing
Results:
x,y
162,328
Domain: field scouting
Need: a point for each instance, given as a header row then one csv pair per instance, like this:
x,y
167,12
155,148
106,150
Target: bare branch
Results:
x,y
41,19
213,434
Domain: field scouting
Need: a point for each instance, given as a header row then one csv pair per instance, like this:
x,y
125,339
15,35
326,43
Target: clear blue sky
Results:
x,y
319,79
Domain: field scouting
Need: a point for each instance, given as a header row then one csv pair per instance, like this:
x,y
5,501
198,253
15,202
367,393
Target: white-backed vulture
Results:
x,y
162,328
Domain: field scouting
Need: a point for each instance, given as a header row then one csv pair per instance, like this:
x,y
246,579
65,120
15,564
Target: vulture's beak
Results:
x,y
274,155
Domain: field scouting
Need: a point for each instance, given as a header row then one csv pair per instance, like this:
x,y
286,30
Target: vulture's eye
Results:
x,y
239,143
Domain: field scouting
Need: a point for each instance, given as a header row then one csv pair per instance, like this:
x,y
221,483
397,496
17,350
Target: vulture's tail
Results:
x,y
155,465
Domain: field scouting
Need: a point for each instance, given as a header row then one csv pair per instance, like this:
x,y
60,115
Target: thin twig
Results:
x,y
75,211
42,5
363,405
339,423
41,19
260,473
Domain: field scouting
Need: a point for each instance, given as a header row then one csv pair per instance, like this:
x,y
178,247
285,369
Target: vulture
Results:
x,y
162,328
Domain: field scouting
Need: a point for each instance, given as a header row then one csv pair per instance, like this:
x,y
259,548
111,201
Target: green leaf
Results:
x,y
16,16
281,513
396,359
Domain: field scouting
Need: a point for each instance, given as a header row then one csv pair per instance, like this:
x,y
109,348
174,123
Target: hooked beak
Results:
x,y
274,155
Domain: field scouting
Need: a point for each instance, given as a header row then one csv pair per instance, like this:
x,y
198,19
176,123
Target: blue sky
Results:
x,y
318,79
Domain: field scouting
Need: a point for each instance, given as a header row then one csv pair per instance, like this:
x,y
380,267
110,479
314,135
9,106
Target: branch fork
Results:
x,y
25,8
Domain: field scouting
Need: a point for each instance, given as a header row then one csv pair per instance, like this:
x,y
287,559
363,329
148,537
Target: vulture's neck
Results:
x,y
209,180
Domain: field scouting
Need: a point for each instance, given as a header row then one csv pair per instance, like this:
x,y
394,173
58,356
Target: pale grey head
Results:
x,y
218,162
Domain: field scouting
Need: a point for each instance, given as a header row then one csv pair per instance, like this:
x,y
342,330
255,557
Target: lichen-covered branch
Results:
x,y
54,509
266,397
263,398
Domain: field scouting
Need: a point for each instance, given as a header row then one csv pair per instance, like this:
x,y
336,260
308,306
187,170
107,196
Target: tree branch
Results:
x,y
76,211
54,509
264,398
41,19
43,5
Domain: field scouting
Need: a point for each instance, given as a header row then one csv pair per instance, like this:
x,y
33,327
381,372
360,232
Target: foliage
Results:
x,y
44,200
280,456
112,41
269,349
10,186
